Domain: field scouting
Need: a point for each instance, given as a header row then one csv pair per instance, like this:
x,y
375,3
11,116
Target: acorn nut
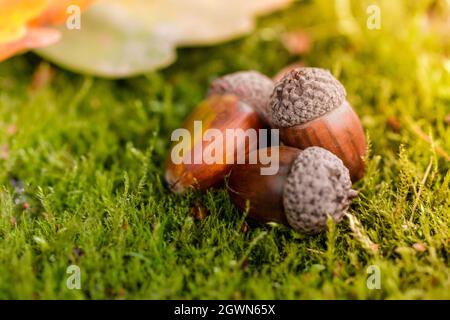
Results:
x,y
251,87
309,107
310,186
235,101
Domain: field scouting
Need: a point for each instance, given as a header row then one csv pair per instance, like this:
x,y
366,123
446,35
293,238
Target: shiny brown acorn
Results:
x,y
236,101
309,107
310,186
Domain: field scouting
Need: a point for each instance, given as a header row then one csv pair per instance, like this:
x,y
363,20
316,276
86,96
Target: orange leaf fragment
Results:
x,y
34,38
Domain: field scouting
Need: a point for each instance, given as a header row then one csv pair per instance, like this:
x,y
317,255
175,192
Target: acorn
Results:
x,y
251,87
309,107
235,101
310,186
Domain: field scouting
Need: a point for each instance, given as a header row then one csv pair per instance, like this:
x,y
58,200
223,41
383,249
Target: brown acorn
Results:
x,y
309,107
310,186
235,101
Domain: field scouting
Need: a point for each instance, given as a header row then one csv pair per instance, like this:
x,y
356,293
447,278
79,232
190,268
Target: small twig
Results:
x,y
422,135
359,234
421,186
314,251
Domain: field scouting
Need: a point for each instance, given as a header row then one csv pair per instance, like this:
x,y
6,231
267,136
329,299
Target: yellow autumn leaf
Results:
x,y
14,16
56,11
23,23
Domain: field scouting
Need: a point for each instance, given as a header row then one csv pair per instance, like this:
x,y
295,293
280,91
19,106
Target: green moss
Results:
x,y
89,154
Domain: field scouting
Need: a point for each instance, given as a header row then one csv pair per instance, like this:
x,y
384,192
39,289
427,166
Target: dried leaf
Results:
x,y
14,16
77,252
199,212
298,42
245,228
447,119
130,37
22,23
4,152
394,124
56,11
420,247
117,47
34,38
245,263
11,130
437,21
42,76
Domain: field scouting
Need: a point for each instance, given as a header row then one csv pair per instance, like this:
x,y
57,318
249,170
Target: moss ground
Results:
x,y
81,173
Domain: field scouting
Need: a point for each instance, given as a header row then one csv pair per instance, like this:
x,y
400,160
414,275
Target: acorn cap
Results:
x,y
252,87
304,94
318,185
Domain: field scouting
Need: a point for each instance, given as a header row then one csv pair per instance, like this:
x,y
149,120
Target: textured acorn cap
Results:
x,y
250,86
318,185
304,94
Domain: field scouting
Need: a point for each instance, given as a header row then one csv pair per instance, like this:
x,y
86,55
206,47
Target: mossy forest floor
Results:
x,y
81,172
